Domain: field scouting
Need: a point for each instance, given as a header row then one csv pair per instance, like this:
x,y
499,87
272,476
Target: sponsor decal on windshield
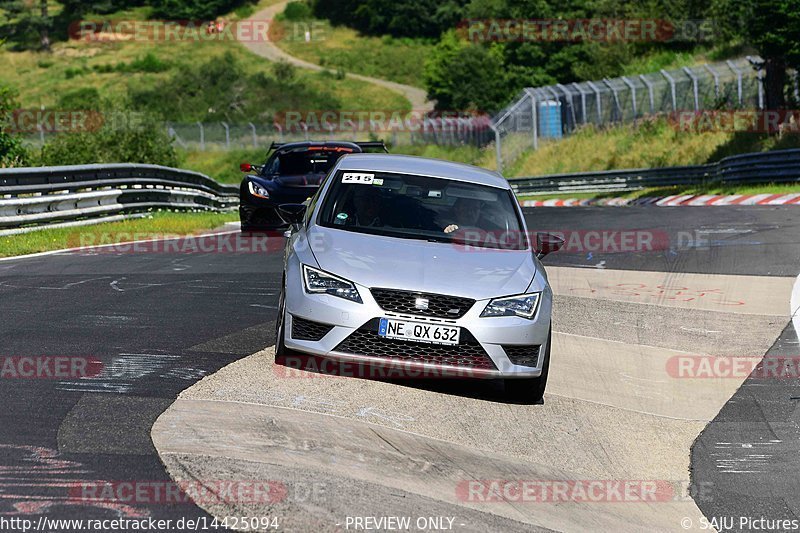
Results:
x,y
361,179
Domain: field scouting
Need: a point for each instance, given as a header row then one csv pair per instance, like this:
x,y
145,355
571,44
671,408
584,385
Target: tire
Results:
x,y
280,327
530,390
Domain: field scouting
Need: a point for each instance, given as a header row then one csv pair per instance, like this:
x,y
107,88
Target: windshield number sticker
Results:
x,y
362,179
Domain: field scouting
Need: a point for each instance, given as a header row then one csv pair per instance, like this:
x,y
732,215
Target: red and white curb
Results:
x,y
673,201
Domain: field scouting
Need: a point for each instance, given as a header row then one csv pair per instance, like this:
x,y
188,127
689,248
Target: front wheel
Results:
x,y
530,390
280,326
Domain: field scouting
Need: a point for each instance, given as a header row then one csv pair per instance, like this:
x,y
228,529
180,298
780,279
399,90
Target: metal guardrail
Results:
x,y
780,166
84,193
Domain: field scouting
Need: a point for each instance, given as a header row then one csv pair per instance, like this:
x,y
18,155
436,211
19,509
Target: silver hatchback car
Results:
x,y
422,264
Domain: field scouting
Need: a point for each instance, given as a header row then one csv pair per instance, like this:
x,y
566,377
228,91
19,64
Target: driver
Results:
x,y
465,213
367,202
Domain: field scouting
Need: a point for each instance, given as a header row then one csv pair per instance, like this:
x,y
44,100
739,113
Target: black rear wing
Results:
x,y
365,145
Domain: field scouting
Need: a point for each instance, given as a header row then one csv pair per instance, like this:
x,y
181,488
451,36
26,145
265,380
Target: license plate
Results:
x,y
418,331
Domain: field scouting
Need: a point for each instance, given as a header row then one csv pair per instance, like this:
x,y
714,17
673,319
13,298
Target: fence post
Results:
x,y
716,80
202,136
227,135
649,85
498,152
632,87
280,130
583,101
534,118
760,77
597,97
796,84
694,87
671,81
616,99
255,135
305,130
738,73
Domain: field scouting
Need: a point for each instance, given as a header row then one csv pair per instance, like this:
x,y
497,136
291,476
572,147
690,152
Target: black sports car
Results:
x,y
292,173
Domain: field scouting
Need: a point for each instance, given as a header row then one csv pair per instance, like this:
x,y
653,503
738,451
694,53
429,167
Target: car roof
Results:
x,y
422,166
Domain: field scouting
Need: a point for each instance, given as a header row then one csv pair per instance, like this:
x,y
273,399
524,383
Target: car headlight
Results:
x,y
523,306
320,282
257,190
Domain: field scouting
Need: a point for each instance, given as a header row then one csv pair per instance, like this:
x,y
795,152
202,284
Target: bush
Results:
x,y
298,10
12,153
195,9
85,98
149,63
284,71
124,138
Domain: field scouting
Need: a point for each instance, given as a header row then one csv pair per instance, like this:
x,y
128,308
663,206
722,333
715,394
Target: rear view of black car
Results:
x,y
292,173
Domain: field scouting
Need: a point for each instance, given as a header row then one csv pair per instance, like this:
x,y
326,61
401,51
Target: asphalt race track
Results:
x,y
158,322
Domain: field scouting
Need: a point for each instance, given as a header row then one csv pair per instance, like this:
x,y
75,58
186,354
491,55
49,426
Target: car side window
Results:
x,y
314,199
272,166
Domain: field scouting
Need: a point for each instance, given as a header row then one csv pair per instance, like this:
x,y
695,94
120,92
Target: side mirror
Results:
x,y
246,167
292,213
547,243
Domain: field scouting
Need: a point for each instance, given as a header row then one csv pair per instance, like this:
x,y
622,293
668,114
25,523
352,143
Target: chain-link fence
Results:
x,y
465,130
545,113
440,131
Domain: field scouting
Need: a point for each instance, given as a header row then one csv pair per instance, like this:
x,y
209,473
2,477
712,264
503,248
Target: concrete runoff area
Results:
x,y
615,411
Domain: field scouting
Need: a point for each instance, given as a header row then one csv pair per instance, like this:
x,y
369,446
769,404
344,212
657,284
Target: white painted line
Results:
x,y
82,248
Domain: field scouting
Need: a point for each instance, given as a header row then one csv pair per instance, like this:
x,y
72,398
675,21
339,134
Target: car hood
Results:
x,y
439,268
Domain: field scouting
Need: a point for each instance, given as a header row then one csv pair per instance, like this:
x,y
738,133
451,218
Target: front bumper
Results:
x,y
352,325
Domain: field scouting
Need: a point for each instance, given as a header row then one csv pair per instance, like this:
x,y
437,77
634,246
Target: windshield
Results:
x,y
421,207
303,162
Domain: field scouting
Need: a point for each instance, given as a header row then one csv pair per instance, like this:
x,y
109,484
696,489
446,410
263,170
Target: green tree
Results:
x,y
770,26
26,25
466,77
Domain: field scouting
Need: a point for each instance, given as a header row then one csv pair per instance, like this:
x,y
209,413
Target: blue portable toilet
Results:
x,y
550,119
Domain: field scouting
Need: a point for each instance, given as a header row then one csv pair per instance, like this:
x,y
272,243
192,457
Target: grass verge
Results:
x,y
339,47
161,223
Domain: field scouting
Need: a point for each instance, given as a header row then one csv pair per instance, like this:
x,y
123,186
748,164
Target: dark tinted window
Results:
x,y
421,207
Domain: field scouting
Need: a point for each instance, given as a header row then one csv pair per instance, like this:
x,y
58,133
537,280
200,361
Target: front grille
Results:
x,y
366,341
525,355
438,305
307,330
